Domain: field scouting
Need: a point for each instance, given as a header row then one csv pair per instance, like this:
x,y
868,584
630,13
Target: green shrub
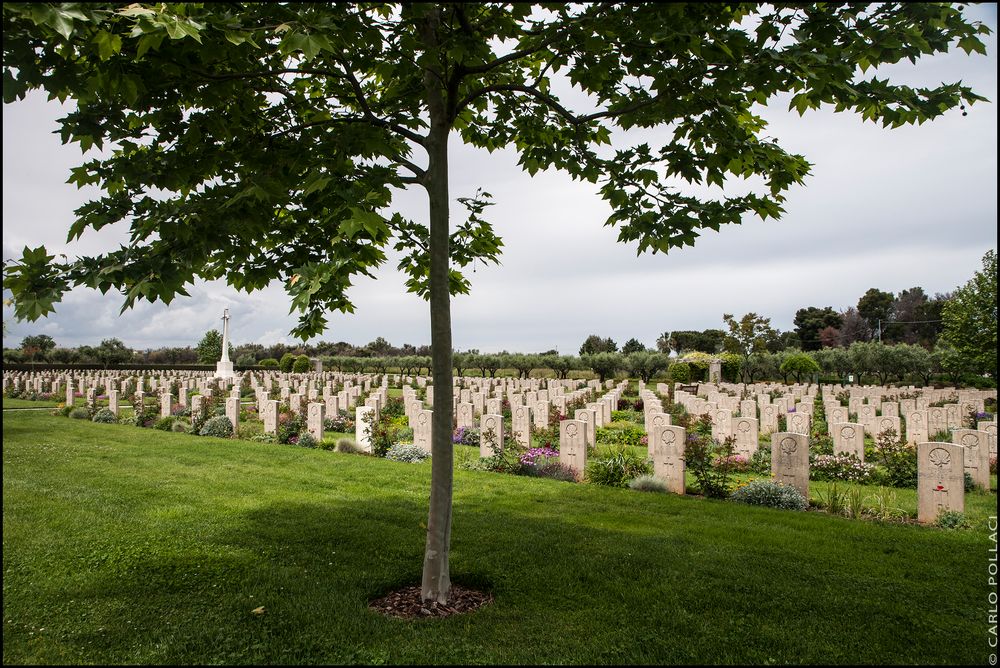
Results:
x,y
268,363
289,426
771,494
306,440
629,435
381,434
760,462
287,360
617,469
711,463
105,416
246,360
410,454
628,416
249,428
179,427
80,413
648,483
680,372
218,426
164,423
970,484
301,364
898,459
821,445
951,519
348,446
394,408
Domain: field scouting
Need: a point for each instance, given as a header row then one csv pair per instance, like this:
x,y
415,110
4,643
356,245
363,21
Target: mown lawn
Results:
x,y
27,403
124,545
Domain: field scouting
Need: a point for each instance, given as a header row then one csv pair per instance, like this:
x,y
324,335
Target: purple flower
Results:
x,y
529,457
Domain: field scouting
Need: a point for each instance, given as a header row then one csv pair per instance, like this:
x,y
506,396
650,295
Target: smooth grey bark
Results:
x,y
436,582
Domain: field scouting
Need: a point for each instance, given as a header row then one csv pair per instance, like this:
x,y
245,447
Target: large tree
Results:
x,y
810,321
905,315
970,319
594,344
112,352
853,327
37,344
633,345
210,347
875,306
264,141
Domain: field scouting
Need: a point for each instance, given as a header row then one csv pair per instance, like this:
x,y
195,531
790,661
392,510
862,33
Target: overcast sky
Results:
x,y
883,208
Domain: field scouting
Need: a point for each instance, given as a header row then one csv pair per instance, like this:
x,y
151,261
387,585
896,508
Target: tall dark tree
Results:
x,y
776,341
810,321
930,320
875,306
274,135
632,346
594,344
905,316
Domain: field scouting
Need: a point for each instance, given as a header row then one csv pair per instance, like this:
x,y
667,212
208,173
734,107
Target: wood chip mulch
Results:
x,y
407,603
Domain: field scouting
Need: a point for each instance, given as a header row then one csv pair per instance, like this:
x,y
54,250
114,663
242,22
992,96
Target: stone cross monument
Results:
x,y
224,368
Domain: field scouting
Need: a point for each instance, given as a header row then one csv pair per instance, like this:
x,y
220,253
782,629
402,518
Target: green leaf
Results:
x,y
147,42
62,24
234,37
107,44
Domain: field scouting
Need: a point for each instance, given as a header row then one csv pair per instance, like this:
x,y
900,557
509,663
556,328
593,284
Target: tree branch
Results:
x,y
553,104
359,93
515,55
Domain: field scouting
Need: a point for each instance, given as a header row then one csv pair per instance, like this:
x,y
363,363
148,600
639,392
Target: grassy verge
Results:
x,y
124,545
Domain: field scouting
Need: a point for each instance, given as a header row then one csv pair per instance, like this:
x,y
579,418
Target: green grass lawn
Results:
x,y
123,545
27,403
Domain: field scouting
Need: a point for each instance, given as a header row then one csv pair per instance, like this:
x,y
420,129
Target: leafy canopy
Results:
x,y
264,141
970,319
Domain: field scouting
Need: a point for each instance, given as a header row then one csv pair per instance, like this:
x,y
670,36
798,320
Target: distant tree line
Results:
x,y
886,337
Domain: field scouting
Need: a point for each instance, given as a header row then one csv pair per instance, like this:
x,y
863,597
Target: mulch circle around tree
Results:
x,y
406,603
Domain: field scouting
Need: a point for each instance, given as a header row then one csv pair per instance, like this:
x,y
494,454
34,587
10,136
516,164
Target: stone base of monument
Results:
x,y
224,370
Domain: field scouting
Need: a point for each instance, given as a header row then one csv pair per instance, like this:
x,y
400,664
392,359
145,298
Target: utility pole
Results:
x,y
880,330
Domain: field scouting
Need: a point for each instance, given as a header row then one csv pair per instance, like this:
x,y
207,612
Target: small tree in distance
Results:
x,y
210,347
746,336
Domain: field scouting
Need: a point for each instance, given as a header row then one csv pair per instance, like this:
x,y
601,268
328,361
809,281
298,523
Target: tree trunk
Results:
x,y
436,583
